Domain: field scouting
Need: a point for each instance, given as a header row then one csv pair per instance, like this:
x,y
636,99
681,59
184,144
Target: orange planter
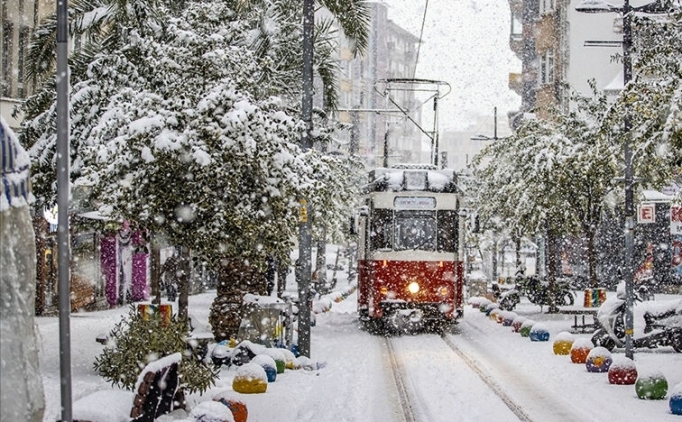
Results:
x,y
579,354
237,408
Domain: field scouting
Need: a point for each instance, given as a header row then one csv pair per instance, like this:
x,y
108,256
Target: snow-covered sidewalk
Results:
x,y
355,383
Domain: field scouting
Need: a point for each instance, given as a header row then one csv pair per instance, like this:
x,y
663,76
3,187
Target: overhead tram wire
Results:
x,y
419,45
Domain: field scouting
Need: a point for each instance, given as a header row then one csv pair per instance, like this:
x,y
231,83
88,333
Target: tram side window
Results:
x,y
447,231
380,235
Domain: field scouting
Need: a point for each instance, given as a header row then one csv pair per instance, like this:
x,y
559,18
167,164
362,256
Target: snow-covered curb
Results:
x,y
324,303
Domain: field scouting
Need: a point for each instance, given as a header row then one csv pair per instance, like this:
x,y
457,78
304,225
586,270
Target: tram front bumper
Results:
x,y
418,311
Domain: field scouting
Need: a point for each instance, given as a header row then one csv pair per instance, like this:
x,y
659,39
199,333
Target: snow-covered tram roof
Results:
x,y
422,177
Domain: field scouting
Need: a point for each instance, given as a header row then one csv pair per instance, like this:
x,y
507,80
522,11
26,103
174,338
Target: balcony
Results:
x,y
516,45
516,82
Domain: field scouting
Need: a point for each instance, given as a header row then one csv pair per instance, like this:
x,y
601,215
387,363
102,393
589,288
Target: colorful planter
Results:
x,y
525,327
580,349
622,371
238,409
598,360
516,324
563,343
492,307
250,379
278,355
651,387
509,319
676,400
539,332
493,314
268,364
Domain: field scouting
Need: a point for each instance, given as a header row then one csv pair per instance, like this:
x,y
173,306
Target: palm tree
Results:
x,y
277,24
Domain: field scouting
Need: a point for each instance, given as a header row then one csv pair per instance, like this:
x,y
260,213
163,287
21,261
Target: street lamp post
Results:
x,y
62,81
598,6
305,254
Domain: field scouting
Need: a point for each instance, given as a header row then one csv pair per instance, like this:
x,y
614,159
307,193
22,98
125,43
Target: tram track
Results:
x,y
403,396
513,407
411,393
414,394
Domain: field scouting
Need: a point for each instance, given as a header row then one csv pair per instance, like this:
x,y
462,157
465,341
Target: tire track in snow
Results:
x,y
403,397
520,389
518,411
437,384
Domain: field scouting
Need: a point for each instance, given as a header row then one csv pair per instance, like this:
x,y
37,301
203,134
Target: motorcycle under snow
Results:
x,y
507,299
663,324
538,291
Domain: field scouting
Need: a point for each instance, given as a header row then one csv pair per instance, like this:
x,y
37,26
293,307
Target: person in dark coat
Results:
x,y
171,274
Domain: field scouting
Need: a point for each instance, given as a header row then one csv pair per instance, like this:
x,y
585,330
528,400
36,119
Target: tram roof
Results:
x,y
411,178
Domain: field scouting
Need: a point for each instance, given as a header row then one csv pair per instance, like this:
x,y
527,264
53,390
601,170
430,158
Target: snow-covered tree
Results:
x,y
155,104
174,127
551,176
653,99
276,33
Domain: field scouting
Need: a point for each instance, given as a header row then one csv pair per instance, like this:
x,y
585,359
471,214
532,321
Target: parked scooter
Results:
x,y
663,326
507,299
538,291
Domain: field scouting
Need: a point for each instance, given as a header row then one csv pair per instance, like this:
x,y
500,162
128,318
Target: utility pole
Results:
x,y
629,180
63,189
626,10
304,244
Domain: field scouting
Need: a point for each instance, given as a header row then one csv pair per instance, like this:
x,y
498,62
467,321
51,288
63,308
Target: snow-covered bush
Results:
x,y
137,340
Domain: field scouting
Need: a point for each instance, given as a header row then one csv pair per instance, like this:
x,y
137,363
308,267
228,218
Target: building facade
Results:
x,y
375,132
562,51
19,20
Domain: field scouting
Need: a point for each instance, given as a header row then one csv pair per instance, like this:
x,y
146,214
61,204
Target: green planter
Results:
x,y
653,387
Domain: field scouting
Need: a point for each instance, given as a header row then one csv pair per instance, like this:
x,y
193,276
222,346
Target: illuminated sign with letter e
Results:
x,y
646,213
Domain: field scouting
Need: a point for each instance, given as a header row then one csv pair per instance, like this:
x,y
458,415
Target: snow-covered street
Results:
x,y
493,373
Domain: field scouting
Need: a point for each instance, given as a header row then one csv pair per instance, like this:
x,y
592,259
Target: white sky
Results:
x,y
465,43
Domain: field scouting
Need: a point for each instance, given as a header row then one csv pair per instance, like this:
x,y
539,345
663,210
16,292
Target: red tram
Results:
x,y
410,267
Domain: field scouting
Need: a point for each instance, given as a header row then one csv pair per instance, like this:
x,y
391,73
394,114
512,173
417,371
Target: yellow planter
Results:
x,y
562,347
249,385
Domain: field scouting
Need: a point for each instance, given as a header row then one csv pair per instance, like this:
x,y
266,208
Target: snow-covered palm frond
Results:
x,y
354,17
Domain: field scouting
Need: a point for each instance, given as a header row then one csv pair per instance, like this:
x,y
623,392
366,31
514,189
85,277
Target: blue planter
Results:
x,y
676,404
270,372
539,335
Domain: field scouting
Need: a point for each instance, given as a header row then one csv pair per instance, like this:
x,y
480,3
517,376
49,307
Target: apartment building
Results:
x,y
19,19
562,50
392,53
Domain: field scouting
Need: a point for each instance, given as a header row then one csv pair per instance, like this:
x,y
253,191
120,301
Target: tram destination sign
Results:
x,y
414,203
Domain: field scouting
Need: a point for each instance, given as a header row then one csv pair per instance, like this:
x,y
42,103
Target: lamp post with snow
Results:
x,y
600,6
305,248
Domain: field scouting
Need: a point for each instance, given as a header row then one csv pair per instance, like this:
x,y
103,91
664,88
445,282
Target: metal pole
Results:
x,y
63,246
494,262
385,162
305,254
435,131
629,180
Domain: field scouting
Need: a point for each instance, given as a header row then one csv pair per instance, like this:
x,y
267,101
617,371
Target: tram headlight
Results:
x,y
443,291
413,287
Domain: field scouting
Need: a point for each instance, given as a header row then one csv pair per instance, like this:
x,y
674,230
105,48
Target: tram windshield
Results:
x,y
415,230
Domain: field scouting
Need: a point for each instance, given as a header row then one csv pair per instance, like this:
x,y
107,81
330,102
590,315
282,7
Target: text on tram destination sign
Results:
x,y
415,202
